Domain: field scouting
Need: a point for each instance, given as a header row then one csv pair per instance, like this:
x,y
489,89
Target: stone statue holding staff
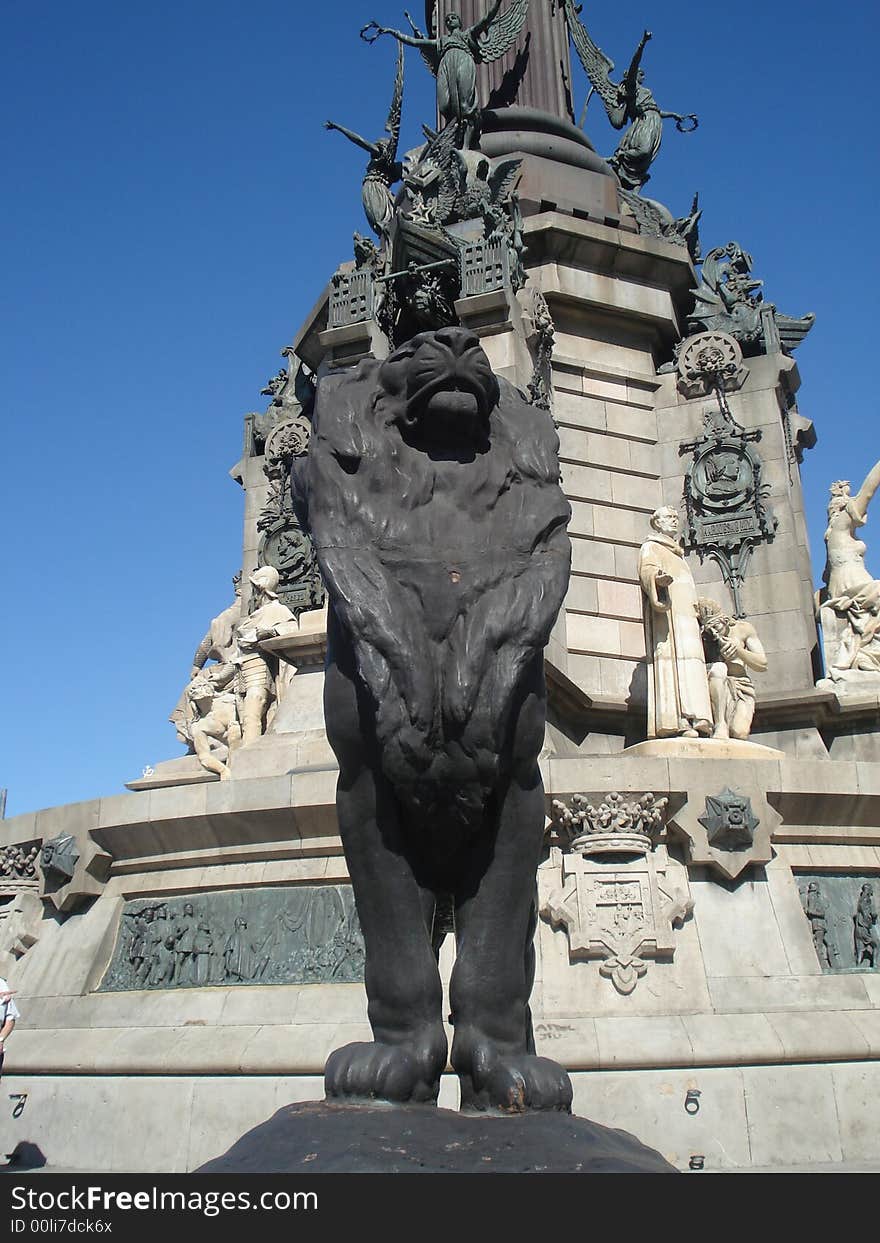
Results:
x,y
679,704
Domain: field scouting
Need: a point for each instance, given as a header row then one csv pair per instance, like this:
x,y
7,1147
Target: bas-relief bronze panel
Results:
x,y
303,934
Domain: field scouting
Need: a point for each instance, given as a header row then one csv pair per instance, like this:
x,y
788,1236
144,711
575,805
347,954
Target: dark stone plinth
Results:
x,y
322,1138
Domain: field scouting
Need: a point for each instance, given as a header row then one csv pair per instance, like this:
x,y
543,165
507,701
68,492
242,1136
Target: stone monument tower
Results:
x,y
706,947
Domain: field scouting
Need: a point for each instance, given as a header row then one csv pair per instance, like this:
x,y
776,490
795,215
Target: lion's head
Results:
x,y
439,389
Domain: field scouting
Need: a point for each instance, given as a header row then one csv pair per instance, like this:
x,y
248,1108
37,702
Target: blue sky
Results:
x,y
172,208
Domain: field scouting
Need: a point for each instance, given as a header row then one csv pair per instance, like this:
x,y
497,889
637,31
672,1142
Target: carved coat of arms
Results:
x,y
616,898
725,498
283,543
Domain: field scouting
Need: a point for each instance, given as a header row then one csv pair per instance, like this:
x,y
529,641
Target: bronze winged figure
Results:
x,y
384,169
629,102
453,57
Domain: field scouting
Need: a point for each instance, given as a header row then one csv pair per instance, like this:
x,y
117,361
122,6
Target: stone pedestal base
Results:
x,y
846,682
185,771
283,753
322,1138
704,748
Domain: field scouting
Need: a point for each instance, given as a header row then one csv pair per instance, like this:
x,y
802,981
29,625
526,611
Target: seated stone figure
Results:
x,y
733,653
211,718
212,677
432,494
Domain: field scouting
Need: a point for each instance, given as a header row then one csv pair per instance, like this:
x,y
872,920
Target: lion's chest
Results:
x,y
454,548
443,586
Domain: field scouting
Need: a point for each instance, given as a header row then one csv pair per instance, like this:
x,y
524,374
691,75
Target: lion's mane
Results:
x,y
399,524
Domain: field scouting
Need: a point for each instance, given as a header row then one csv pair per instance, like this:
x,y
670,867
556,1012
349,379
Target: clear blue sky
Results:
x,y
172,207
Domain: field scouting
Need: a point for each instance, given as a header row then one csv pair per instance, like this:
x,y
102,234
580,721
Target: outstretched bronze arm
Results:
x,y
629,80
681,121
375,30
352,137
484,23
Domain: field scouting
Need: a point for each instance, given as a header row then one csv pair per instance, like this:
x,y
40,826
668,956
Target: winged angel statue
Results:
x,y
453,56
629,101
383,169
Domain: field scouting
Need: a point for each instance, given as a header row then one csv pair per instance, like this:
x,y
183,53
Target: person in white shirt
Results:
x,y
8,1014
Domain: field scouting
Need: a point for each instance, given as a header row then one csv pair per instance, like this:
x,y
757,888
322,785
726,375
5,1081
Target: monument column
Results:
x,y
546,83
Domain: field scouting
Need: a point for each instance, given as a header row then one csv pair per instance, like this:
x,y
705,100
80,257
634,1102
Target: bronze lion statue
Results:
x,y
432,494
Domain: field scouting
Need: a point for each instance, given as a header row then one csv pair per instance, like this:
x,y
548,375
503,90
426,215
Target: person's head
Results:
x,y
453,22
840,495
666,521
265,581
200,690
710,613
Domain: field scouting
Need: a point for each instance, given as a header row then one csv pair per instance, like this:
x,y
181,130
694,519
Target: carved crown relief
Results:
x,y
618,896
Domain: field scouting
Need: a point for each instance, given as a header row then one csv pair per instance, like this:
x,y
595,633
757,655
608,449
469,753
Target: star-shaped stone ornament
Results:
x,y
727,830
729,821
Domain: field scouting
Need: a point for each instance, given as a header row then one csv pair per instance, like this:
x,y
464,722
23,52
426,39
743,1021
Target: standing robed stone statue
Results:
x,y
679,703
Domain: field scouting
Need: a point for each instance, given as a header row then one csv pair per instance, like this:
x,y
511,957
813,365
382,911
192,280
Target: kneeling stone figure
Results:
x,y
432,494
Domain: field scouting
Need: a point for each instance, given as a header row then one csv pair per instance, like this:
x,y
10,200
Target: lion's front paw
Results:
x,y
385,1072
515,1083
